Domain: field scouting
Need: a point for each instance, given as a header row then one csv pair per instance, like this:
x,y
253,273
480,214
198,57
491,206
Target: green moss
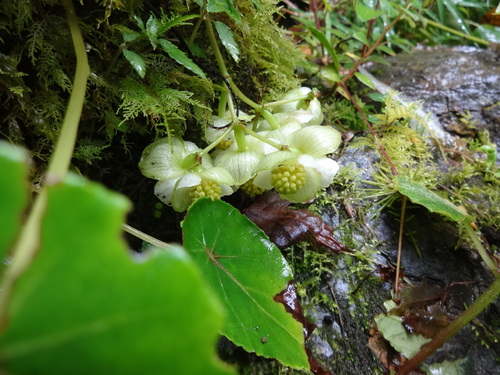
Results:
x,y
272,56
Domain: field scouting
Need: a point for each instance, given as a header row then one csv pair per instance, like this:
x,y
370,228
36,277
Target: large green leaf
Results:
x,y
13,194
86,307
246,270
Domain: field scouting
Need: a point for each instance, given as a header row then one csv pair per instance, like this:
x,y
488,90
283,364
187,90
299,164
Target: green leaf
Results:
x,y
322,39
227,39
13,193
131,5
167,23
180,57
419,194
136,61
86,307
330,74
366,14
246,271
140,23
364,80
393,331
361,36
129,35
222,6
152,30
387,50
457,367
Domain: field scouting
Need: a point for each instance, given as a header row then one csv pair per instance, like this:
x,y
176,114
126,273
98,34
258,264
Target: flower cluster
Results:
x,y
285,150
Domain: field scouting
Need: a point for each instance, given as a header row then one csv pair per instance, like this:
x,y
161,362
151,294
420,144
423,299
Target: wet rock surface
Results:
x,y
342,293
451,81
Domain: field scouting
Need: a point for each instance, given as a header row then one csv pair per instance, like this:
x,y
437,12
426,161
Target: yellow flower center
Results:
x,y
250,189
206,188
288,179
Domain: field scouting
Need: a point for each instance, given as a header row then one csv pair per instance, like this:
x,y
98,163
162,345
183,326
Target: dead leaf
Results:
x,y
285,226
390,358
289,299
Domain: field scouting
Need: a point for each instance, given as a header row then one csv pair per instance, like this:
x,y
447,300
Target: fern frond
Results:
x,y
159,101
166,22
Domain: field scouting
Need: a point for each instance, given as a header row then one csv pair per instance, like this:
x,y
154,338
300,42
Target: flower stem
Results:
x,y
481,250
223,70
146,237
240,139
221,110
27,246
308,96
212,145
261,138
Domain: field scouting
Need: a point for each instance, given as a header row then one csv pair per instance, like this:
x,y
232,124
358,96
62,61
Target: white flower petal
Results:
x,y
188,180
219,126
181,199
164,190
159,160
217,174
272,160
162,159
325,166
263,125
263,180
283,133
302,116
316,140
317,114
328,169
298,104
241,165
226,190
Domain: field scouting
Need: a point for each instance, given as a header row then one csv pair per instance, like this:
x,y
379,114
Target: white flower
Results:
x,y
241,164
183,176
305,110
300,172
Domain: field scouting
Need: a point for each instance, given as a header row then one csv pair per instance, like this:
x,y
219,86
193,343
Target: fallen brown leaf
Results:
x,y
285,226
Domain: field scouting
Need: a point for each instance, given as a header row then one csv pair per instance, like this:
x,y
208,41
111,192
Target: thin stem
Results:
x,y
222,65
400,245
211,146
481,250
261,138
61,158
374,46
221,109
446,333
241,141
27,245
307,96
197,26
146,237
215,47
369,30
